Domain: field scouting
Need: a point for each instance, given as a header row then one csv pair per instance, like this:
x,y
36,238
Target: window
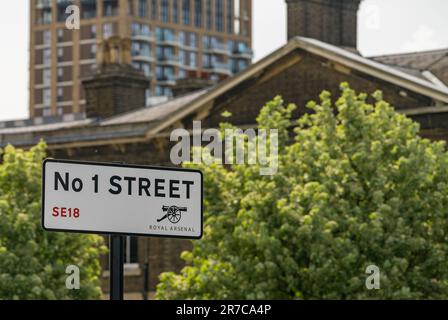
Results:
x,y
43,11
142,8
46,76
154,9
60,111
60,35
183,57
46,57
47,37
182,74
175,11
107,30
61,7
93,50
146,69
209,14
60,95
60,54
219,15
182,38
193,40
193,59
198,13
230,4
46,93
110,8
46,112
186,11
88,9
164,10
93,31
60,74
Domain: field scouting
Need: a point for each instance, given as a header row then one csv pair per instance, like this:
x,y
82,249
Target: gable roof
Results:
x,y
325,50
425,60
145,123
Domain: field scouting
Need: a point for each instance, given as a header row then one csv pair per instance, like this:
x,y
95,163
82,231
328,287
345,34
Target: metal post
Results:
x,y
116,262
145,281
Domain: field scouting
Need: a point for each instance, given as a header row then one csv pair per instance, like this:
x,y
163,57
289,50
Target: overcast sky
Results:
x,y
385,26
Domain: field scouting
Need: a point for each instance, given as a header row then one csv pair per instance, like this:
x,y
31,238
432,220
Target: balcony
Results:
x,y
218,67
217,48
168,41
172,60
43,4
244,53
166,80
142,57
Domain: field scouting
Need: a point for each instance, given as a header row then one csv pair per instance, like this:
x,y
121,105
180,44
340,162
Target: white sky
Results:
x,y
385,26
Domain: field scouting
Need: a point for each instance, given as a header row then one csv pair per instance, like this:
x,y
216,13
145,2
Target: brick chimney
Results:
x,y
331,21
116,86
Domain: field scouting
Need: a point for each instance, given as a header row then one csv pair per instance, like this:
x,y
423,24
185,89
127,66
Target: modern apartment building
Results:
x,y
171,39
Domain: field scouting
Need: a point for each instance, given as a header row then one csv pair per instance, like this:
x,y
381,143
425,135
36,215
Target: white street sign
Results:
x,y
123,199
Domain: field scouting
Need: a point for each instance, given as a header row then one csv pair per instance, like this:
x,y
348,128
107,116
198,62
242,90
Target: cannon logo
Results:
x,y
173,214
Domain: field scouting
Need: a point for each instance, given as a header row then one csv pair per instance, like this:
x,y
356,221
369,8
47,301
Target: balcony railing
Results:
x,y
168,40
218,67
168,59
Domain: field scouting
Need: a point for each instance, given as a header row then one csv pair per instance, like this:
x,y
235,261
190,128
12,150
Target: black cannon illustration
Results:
x,y
173,213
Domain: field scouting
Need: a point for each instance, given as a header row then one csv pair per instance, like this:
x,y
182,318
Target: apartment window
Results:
x,y
43,11
88,9
46,76
230,5
110,8
46,94
60,111
164,11
93,31
60,54
193,40
182,74
154,9
61,7
219,15
183,57
198,13
60,33
107,30
193,59
175,11
209,14
60,95
46,112
60,74
46,56
146,69
158,91
47,37
182,38
186,11
142,8
93,49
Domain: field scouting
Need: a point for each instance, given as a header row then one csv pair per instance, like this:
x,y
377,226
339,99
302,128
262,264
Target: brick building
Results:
x,y
113,131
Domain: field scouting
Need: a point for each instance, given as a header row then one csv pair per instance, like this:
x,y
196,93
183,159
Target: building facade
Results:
x,y
171,40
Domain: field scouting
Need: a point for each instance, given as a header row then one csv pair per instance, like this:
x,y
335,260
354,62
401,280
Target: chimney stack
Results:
x,y
116,87
330,21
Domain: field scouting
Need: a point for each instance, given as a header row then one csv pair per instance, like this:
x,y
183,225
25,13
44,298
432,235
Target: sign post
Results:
x,y
118,200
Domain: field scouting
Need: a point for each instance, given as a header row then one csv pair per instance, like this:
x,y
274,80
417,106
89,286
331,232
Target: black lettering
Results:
x,y
58,178
158,187
188,184
113,183
144,184
174,188
79,182
130,180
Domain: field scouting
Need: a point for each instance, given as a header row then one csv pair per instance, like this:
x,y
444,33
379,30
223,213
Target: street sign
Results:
x,y
112,198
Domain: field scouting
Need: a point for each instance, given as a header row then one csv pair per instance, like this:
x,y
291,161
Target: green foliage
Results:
x,y
356,187
33,262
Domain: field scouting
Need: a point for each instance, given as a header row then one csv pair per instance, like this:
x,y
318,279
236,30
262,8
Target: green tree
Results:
x,y
356,187
33,262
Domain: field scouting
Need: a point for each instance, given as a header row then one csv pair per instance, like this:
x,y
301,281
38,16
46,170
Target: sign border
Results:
x,y
119,165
